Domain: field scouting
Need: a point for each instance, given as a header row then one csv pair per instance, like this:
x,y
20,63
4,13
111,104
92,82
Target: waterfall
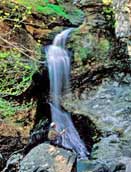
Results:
x,y
59,73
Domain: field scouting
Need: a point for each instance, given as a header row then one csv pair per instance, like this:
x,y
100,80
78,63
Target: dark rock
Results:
x,y
1,161
12,164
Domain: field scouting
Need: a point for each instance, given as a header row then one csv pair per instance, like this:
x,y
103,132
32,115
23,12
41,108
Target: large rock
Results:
x,y
109,108
48,158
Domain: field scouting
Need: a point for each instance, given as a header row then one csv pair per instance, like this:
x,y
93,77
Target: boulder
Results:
x,y
47,158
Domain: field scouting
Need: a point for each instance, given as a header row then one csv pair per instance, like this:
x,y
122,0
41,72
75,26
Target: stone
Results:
x,y
128,166
110,109
13,162
122,18
1,161
91,166
123,21
46,157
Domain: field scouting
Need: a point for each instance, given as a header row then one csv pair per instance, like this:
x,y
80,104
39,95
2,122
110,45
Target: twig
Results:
x,y
22,21
22,52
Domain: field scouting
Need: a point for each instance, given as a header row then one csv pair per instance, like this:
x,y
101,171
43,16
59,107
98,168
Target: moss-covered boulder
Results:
x,y
87,45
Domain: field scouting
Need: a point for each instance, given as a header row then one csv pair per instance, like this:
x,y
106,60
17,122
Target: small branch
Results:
x,y
22,21
22,52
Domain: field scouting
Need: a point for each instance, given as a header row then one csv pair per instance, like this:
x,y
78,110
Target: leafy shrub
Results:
x,y
8,108
45,7
15,72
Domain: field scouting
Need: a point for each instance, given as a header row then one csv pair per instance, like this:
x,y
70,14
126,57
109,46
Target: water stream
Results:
x,y
59,74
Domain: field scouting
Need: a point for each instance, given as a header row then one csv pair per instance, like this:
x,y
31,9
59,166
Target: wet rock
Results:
x,y
48,158
91,166
128,166
86,129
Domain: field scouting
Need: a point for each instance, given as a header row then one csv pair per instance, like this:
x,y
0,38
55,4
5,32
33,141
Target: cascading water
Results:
x,y
59,74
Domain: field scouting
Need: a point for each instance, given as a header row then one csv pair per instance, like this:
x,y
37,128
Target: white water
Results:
x,y
59,67
59,73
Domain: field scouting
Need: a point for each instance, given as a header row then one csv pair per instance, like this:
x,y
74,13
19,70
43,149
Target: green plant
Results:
x,y
8,108
15,72
103,46
51,8
107,2
20,11
44,6
109,15
75,15
14,13
85,53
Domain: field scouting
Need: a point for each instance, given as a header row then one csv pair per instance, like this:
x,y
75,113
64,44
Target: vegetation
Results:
x,y
16,72
20,10
44,6
15,76
98,50
8,108
95,48
107,2
18,62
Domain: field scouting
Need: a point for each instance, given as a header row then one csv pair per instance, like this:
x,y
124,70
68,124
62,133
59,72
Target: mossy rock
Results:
x,y
87,45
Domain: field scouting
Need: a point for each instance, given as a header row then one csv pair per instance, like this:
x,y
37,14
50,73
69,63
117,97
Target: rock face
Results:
x,y
48,158
123,21
122,12
109,108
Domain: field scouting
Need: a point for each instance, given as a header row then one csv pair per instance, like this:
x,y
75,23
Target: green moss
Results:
x,y
104,46
75,15
85,53
87,46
